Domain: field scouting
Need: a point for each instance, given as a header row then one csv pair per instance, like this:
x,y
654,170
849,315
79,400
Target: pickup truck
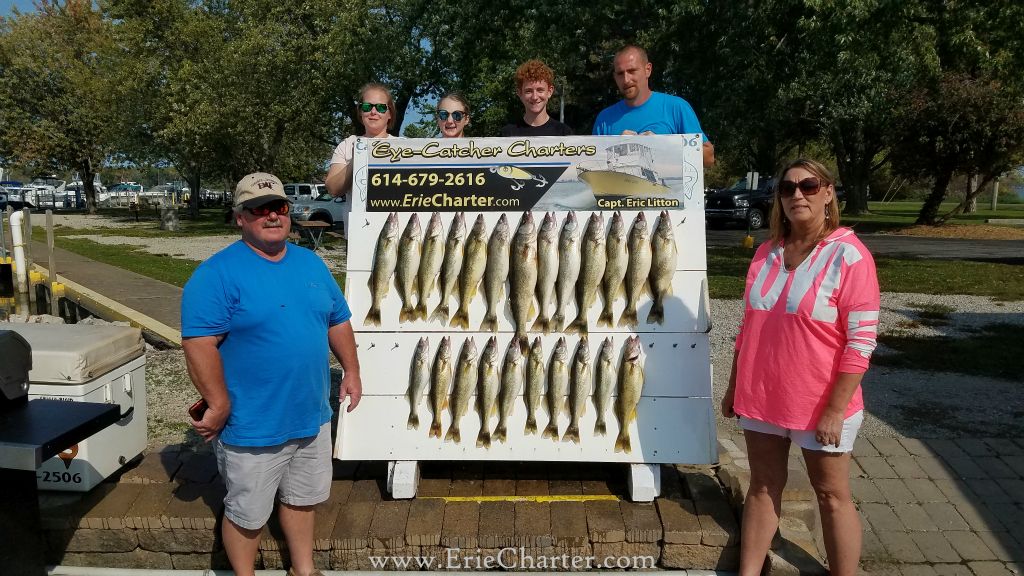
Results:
x,y
324,208
741,204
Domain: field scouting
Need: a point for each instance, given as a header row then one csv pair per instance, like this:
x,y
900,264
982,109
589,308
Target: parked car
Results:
x,y
324,208
741,204
301,191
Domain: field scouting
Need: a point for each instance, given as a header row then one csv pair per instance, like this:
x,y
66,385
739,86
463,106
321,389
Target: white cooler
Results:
x,y
89,363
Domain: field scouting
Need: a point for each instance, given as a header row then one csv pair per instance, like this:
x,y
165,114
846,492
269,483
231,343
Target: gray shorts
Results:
x,y
298,471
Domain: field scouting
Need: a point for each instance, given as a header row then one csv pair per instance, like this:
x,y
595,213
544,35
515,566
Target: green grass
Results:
x,y
210,222
983,354
893,215
157,266
931,314
727,268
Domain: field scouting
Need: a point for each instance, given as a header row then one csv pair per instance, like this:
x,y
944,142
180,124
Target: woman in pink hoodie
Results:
x,y
809,327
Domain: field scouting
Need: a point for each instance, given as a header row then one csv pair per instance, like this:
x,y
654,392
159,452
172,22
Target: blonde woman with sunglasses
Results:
x,y
809,326
452,115
375,111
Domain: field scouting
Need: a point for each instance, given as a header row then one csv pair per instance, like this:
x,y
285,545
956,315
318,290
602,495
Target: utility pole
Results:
x,y
995,194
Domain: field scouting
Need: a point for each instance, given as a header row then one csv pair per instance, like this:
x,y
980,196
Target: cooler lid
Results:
x,y
78,353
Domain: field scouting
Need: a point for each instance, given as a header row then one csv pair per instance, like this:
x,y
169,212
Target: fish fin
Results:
x,y
541,325
579,325
413,423
372,317
461,319
572,434
566,408
533,310
453,434
531,426
483,439
605,319
657,313
435,429
628,318
490,322
600,429
441,313
556,322
420,311
622,442
499,434
552,430
407,314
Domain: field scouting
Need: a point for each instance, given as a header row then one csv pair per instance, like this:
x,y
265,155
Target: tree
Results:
x,y
56,107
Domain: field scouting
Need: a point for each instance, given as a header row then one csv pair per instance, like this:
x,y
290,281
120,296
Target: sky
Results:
x,y
6,6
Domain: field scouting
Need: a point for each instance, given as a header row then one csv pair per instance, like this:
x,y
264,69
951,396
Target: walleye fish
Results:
x,y
637,269
615,268
558,383
605,383
408,266
496,273
511,386
462,389
534,385
663,266
474,262
440,381
547,271
430,264
419,377
487,386
579,390
385,258
568,268
592,264
631,386
523,275
450,266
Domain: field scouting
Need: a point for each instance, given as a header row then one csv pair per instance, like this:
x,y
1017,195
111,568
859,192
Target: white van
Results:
x,y
300,191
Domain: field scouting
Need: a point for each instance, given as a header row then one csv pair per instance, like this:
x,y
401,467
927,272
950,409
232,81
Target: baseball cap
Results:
x,y
257,189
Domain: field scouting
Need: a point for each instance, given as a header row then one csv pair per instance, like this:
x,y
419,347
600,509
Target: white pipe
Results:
x,y
18,242
89,571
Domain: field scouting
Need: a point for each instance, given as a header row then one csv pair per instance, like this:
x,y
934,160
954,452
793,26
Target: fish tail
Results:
x,y
414,422
453,434
657,312
531,425
541,324
622,442
441,313
500,433
490,322
572,434
483,439
420,311
435,429
557,321
605,319
373,317
578,325
461,319
407,314
628,318
552,430
600,428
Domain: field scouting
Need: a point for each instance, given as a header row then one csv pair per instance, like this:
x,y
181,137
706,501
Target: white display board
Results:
x,y
658,175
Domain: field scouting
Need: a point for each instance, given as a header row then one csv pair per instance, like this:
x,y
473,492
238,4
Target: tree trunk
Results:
x,y
930,210
88,185
971,202
854,160
972,197
193,194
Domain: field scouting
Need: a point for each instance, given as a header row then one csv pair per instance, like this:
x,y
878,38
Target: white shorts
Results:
x,y
806,438
299,472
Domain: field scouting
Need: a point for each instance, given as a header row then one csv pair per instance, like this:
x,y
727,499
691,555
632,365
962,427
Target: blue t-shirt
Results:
x,y
661,114
275,316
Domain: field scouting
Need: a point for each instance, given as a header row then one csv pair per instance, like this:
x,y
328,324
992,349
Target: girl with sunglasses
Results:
x,y
452,115
809,326
375,112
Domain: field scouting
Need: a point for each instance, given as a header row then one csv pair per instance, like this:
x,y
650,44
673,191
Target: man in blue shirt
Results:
x,y
642,111
258,320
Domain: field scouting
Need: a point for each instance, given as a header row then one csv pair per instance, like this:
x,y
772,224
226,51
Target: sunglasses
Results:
x,y
443,115
807,186
279,207
365,107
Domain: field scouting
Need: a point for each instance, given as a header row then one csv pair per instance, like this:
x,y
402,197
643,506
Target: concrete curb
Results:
x,y
112,310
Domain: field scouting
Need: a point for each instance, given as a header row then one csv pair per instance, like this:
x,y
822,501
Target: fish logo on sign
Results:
x,y
68,455
519,176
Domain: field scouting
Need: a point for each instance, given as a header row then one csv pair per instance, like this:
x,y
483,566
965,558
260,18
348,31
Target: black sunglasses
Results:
x,y
365,107
279,207
808,187
458,115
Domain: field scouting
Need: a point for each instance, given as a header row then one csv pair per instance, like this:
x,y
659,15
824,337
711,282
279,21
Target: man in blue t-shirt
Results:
x,y
258,321
642,111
